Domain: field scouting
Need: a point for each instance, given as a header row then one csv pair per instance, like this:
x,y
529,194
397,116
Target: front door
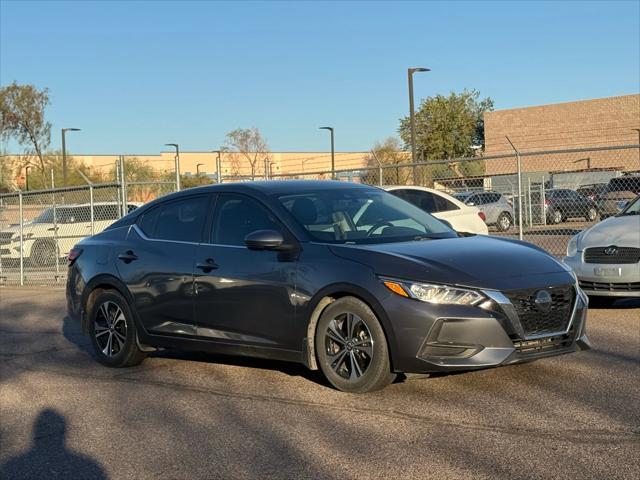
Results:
x,y
244,296
156,263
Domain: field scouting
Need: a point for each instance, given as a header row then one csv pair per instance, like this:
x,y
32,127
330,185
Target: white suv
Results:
x,y
49,237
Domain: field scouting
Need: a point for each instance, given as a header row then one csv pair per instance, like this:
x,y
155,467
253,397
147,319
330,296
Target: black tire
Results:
x,y
504,222
118,353
591,215
366,345
43,254
556,217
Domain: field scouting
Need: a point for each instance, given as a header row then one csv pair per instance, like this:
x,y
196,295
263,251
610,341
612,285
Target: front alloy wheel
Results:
x,y
348,346
352,348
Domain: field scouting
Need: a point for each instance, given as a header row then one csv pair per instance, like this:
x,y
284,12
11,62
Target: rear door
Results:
x,y
156,263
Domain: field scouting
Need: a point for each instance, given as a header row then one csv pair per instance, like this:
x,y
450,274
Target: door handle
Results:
x,y
128,256
208,265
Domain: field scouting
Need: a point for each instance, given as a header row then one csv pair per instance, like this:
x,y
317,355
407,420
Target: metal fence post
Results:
x,y
55,228
519,167
123,187
529,202
20,213
543,205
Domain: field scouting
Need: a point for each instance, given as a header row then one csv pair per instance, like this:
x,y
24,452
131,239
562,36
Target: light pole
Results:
x,y
64,153
218,166
333,153
412,122
26,177
177,160
638,130
198,168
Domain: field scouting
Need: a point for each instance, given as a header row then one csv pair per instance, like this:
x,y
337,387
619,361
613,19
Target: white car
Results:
x,y
463,218
49,237
606,257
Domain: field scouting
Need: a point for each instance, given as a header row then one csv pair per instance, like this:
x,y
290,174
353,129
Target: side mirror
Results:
x,y
264,240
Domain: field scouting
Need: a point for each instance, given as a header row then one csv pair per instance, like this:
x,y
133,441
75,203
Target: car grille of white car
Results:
x,y
612,254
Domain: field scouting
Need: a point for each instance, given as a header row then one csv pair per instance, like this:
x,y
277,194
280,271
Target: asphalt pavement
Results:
x,y
196,416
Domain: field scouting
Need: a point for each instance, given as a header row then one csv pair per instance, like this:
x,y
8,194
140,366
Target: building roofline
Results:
x,y
563,103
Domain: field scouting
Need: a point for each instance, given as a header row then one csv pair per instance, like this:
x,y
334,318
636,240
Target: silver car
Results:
x,y
497,210
606,257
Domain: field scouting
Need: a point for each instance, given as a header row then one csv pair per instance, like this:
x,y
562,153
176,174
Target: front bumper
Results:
x,y
607,280
436,338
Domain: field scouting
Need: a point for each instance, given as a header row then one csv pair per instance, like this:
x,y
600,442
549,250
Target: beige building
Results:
x,y
601,122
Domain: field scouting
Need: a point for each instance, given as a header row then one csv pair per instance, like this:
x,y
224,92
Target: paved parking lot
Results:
x,y
201,416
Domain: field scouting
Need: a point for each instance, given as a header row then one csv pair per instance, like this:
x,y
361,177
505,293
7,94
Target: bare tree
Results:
x,y
22,119
250,144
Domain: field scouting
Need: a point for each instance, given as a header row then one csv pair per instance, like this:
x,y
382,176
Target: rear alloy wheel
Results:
x,y
43,254
556,217
591,215
112,331
504,222
352,347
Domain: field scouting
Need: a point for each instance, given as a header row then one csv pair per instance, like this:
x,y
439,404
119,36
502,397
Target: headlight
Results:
x,y
433,293
572,246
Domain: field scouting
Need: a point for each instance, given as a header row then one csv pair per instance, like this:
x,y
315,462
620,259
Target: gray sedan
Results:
x,y
496,209
606,257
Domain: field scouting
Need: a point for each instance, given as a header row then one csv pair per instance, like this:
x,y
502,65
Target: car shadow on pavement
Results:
x,y
49,456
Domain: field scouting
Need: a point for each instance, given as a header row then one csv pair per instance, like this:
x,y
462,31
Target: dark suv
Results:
x,y
342,277
561,204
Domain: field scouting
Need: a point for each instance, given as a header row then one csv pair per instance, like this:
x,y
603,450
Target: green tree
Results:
x,y
390,156
250,144
449,127
22,118
190,181
53,162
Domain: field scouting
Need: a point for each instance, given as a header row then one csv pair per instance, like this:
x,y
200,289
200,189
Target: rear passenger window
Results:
x,y
444,205
181,220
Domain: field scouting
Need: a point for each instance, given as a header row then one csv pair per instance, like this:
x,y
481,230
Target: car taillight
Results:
x,y
73,255
482,216
547,202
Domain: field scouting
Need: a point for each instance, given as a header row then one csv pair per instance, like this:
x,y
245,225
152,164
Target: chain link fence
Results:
x,y
542,197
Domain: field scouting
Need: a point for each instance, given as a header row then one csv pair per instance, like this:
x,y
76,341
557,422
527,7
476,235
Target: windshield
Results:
x,y
462,196
45,217
632,209
362,216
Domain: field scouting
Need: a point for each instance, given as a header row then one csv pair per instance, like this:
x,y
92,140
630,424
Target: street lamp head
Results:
x,y
419,69
171,145
326,128
70,129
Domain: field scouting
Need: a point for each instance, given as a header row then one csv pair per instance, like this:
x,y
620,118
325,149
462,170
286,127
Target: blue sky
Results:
x,y
137,75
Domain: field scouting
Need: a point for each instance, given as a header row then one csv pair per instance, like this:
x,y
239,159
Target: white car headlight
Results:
x,y
433,293
572,246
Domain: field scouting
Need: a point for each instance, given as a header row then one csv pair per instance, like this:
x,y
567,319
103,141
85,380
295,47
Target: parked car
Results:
x,y
496,208
284,270
592,191
620,191
49,237
606,257
560,204
461,217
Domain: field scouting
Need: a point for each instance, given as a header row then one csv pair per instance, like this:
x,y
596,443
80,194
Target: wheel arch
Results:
x,y
101,283
326,296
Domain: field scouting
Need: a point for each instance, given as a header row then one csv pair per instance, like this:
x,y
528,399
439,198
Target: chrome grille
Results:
x,y
615,255
534,319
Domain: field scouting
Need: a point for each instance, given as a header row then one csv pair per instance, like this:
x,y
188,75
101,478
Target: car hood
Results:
x,y
621,231
475,261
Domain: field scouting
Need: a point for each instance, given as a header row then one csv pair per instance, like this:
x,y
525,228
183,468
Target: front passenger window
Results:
x,y
238,216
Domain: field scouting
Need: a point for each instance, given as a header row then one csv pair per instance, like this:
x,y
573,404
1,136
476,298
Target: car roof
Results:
x,y
449,197
279,187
